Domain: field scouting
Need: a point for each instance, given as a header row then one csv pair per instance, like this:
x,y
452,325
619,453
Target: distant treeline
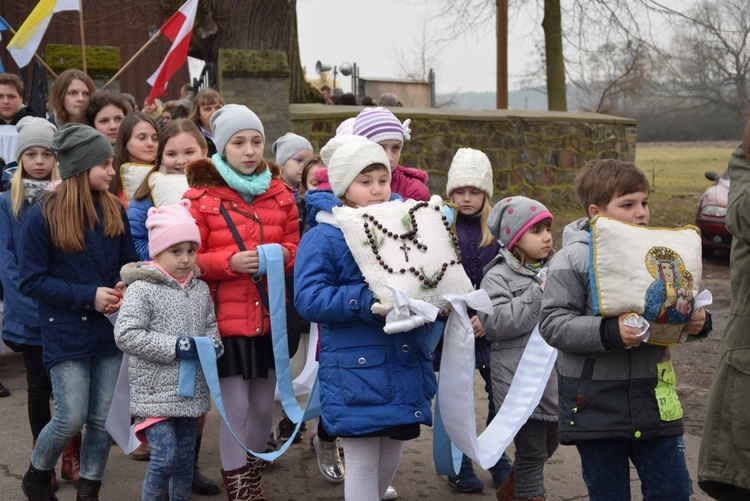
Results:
x,y
657,121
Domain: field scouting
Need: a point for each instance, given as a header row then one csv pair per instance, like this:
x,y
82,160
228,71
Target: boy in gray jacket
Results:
x,y
607,378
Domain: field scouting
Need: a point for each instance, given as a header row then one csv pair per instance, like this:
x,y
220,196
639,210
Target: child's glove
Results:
x,y
185,348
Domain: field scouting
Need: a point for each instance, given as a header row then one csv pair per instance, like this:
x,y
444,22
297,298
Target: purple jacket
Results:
x,y
474,259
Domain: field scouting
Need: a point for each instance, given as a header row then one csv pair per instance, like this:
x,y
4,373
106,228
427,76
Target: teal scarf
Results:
x,y
248,187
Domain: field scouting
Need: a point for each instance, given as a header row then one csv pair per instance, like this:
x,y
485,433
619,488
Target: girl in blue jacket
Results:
x,y
180,144
375,388
74,242
37,166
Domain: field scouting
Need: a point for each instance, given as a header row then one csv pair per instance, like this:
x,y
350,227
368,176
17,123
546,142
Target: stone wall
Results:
x,y
533,153
259,79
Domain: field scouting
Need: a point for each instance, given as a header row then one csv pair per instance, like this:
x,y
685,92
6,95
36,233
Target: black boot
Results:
x,y
36,484
88,490
202,484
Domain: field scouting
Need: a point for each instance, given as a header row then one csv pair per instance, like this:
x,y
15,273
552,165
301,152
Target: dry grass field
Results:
x,y
676,173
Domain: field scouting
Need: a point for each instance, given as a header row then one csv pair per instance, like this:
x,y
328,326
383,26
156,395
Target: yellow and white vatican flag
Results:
x,y
28,37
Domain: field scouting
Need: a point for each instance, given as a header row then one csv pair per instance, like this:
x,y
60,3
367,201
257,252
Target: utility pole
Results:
x,y
502,54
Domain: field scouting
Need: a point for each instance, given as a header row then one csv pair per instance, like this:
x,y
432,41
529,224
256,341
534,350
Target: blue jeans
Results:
x,y
172,444
660,463
83,390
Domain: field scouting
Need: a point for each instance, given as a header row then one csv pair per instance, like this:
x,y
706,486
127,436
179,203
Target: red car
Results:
x,y
712,211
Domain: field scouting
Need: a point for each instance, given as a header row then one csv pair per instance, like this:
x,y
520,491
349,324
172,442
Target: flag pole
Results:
x,y
140,51
38,58
83,39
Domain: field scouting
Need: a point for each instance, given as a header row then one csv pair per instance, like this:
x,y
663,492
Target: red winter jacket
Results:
x,y
410,183
270,218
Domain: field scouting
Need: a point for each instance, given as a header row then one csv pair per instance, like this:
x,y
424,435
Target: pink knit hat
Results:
x,y
169,225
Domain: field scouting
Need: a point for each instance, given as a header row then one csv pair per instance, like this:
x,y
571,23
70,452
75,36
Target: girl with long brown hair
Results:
x,y
135,154
74,242
70,96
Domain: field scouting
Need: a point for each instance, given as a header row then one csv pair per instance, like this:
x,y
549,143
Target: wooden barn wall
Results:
x,y
117,23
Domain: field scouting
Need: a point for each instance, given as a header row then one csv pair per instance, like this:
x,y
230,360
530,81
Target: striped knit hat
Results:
x,y
380,124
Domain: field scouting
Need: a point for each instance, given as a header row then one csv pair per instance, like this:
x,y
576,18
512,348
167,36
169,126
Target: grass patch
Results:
x,y
676,174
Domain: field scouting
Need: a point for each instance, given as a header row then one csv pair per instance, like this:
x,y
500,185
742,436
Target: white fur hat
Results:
x,y
470,168
348,155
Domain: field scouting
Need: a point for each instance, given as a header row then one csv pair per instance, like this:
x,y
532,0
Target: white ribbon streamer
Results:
x,y
456,392
407,313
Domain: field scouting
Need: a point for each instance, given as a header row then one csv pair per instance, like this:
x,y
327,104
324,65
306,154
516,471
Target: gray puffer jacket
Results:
x,y
605,390
516,301
156,311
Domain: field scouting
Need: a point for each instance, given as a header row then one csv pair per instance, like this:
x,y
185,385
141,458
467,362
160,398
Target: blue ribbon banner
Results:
x,y
271,263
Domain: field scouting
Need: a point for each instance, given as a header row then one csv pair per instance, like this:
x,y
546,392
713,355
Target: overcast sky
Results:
x,y
372,34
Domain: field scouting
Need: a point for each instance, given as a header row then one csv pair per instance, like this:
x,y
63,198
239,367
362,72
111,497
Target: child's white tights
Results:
x,y
249,407
371,464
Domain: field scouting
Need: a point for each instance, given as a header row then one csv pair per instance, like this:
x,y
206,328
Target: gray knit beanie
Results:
x,y
511,217
287,145
32,132
79,147
348,155
470,168
229,120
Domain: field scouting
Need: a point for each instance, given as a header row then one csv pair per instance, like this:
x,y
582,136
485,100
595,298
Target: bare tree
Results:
x,y
710,57
614,78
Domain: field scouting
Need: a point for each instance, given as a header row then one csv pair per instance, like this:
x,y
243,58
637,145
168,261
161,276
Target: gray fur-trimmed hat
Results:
x,y
512,216
229,120
470,168
287,145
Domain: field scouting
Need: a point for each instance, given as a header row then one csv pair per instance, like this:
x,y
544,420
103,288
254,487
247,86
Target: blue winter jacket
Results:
x,y
137,215
20,317
64,285
369,380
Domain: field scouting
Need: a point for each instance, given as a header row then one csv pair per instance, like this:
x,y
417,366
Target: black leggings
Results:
x,y
40,389
324,436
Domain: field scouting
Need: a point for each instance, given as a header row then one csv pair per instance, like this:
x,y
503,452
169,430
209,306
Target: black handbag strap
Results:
x,y
241,245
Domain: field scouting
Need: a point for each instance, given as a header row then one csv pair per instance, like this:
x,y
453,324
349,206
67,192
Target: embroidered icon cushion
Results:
x,y
407,246
652,271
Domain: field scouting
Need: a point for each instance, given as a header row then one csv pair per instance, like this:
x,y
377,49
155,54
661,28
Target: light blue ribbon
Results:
x,y
271,263
188,371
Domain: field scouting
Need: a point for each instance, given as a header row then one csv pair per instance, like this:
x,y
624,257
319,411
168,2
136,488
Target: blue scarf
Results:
x,y
248,187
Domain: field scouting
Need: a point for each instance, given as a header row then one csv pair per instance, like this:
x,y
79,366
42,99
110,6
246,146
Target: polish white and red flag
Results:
x,y
178,29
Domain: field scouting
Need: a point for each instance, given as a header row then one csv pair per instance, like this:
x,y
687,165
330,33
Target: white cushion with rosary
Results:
x,y
407,246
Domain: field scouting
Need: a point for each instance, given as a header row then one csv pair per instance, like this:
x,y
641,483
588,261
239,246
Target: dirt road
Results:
x,y
295,476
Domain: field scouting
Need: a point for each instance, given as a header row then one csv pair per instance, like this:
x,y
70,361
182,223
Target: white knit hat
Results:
x,y
348,155
470,168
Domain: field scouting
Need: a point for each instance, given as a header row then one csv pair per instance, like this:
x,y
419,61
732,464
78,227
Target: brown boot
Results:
x,y
255,473
71,460
507,490
237,484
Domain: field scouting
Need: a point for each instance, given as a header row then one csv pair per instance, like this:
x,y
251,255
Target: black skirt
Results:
x,y
249,357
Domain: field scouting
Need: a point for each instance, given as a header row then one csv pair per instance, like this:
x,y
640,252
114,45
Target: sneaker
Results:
x,y
466,480
329,460
390,494
502,469
4,392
